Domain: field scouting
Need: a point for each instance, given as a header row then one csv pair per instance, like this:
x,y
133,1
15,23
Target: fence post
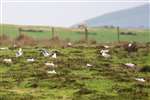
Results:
x,y
53,32
86,33
19,31
148,37
118,34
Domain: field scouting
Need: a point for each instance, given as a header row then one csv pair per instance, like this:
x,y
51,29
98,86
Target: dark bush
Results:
x,y
32,85
145,69
132,48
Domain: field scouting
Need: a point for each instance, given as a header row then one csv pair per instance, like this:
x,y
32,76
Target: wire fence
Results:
x,y
101,34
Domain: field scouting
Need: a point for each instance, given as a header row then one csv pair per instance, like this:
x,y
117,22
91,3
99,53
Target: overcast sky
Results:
x,y
55,13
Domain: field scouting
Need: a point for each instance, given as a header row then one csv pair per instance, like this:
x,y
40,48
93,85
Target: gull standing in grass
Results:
x,y
54,55
69,44
129,45
45,52
4,48
19,52
30,60
140,79
104,53
106,46
89,65
51,72
7,60
50,64
130,65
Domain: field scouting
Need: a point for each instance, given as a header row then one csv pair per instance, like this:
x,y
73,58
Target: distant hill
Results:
x,y
137,17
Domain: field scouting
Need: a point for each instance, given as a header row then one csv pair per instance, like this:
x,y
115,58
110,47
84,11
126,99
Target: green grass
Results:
x,y
108,79
98,34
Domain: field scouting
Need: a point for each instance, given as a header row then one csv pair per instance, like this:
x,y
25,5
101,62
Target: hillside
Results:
x,y
137,17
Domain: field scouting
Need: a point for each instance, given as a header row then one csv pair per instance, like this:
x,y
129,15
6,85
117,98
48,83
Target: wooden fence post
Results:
x,y
86,33
118,34
53,32
19,31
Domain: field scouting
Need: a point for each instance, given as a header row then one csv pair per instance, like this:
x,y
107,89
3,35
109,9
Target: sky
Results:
x,y
59,12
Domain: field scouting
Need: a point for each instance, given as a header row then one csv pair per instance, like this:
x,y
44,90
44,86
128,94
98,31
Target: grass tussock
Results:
x,y
23,39
57,42
5,40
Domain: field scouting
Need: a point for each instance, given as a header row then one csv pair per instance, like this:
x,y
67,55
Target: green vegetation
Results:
x,y
107,79
98,34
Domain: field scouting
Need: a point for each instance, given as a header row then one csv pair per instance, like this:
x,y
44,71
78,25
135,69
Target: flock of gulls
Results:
x,y
104,53
45,53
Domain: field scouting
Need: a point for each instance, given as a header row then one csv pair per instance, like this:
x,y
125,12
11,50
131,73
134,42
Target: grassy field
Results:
x,y
107,79
98,34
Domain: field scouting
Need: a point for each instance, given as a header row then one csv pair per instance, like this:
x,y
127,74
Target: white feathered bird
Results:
x,y
89,65
51,72
140,79
50,64
4,48
104,51
130,44
69,44
131,65
30,60
105,55
54,55
7,60
106,46
45,53
19,52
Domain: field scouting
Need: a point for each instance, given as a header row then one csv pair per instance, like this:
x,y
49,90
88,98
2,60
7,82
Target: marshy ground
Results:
x,y
106,79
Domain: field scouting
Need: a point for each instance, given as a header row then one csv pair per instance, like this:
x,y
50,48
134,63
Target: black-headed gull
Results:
x,y
30,60
51,72
19,52
45,52
7,60
140,79
130,65
54,55
50,64
89,65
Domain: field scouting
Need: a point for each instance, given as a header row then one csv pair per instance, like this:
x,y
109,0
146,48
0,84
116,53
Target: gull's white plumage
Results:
x,y
140,79
51,72
105,55
30,60
131,65
7,60
19,52
54,55
89,65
